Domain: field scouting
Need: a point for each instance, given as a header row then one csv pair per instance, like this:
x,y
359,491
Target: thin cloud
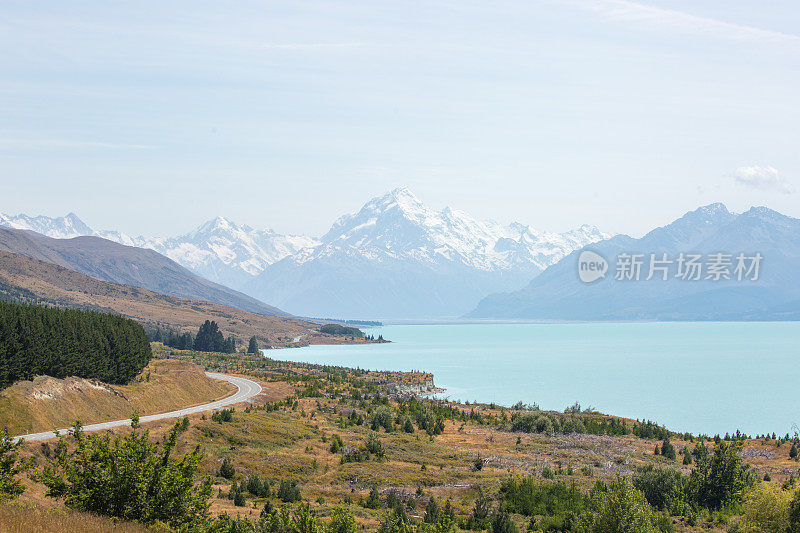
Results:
x,y
626,11
36,144
308,46
763,178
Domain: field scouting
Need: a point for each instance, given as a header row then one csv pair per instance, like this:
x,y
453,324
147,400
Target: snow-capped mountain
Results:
x,y
399,226
397,258
231,254
218,250
394,258
57,228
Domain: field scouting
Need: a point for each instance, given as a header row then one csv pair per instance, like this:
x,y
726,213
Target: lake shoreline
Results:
x,y
694,377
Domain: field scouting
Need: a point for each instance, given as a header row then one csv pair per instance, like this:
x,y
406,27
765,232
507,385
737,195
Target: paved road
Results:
x,y
247,389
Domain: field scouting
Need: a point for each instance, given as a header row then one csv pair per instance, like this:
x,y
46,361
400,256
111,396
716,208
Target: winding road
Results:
x,y
246,390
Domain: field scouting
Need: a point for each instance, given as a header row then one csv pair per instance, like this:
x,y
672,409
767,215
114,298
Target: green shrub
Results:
x,y
766,509
129,478
501,522
662,486
288,491
336,443
10,466
382,417
226,415
794,514
479,518
374,446
342,521
396,522
431,511
668,450
530,497
373,501
621,508
719,478
226,469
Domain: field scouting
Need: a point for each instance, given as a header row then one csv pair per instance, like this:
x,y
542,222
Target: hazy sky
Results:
x,y
150,117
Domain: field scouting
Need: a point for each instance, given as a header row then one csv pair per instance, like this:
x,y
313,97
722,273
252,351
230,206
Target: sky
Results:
x,y
151,117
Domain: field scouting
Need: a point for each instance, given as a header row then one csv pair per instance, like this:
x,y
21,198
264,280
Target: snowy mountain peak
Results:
x,y
716,212
213,224
397,257
401,199
219,226
713,208
711,213
65,227
398,226
402,195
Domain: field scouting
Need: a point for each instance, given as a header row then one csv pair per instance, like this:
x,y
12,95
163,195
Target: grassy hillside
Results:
x,y
109,261
47,403
348,441
28,279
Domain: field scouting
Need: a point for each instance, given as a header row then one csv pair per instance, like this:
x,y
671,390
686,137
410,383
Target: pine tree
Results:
x,y
66,342
373,501
432,512
226,470
253,346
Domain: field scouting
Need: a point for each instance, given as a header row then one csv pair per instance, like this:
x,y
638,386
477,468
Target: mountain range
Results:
x,y
394,258
126,265
398,258
559,294
218,250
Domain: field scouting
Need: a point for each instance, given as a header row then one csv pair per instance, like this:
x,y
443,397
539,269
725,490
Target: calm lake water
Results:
x,y
699,377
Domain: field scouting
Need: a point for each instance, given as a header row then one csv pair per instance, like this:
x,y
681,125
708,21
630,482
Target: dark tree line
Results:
x,y
36,340
208,339
337,329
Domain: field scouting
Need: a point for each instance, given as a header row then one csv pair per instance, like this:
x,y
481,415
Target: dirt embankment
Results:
x,y
48,403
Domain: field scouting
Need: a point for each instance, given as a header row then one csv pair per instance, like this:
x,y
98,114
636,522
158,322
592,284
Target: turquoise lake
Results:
x,y
699,377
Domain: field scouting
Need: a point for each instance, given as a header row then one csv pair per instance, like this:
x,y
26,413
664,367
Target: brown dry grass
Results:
x,y
47,403
27,518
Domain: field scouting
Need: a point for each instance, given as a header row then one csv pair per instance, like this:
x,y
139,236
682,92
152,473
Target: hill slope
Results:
x,y
27,279
558,293
109,261
219,249
46,403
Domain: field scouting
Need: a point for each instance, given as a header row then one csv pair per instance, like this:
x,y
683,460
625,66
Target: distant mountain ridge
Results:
x,y
397,258
109,261
218,250
65,227
558,293
394,258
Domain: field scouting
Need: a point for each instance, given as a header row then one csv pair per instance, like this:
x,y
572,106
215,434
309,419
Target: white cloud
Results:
x,y
670,19
763,178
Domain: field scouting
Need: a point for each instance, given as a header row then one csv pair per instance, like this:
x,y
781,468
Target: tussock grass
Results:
x,y
26,518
